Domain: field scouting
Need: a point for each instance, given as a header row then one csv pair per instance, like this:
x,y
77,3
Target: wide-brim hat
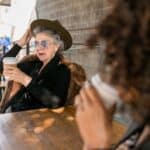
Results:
x,y
55,26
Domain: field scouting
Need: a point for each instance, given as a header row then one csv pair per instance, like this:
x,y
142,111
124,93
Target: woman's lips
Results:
x,y
41,54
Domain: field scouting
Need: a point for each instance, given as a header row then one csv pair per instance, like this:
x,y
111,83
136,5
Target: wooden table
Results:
x,y
41,129
44,129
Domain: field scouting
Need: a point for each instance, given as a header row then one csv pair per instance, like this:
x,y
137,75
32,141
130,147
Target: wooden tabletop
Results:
x,y
41,129
44,129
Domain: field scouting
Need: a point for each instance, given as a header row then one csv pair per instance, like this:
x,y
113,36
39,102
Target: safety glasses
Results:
x,y
42,44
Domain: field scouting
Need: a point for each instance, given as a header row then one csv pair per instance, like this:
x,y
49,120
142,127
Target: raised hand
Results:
x,y
25,38
93,119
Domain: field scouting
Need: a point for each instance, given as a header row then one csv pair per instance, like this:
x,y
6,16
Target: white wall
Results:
x,y
18,16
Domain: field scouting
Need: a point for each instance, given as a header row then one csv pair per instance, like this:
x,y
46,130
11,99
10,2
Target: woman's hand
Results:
x,y
25,38
16,75
94,121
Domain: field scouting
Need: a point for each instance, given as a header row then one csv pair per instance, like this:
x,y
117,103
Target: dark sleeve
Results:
x,y
62,83
11,53
26,67
55,97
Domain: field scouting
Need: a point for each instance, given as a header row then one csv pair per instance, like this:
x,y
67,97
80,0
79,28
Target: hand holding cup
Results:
x,y
12,72
8,64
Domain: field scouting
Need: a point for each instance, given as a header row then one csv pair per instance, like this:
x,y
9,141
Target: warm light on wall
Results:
x,y
5,2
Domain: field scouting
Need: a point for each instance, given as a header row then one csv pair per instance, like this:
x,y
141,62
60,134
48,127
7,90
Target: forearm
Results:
x,y
44,95
11,53
103,142
96,148
15,88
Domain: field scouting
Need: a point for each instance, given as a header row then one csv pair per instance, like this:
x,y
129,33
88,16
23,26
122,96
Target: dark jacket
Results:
x,y
132,136
47,89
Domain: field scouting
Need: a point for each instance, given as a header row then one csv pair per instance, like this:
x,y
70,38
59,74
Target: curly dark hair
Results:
x,y
126,31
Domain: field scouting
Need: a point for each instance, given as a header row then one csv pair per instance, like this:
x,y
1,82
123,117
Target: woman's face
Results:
x,y
45,47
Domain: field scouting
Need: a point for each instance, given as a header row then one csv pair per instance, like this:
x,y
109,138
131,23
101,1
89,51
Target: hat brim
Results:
x,y
54,26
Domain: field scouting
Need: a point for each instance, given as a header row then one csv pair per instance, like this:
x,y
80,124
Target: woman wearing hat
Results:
x,y
44,80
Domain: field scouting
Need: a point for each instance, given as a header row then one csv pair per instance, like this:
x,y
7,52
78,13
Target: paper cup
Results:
x,y
9,61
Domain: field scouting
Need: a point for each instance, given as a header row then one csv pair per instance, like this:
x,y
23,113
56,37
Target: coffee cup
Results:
x,y
108,93
9,61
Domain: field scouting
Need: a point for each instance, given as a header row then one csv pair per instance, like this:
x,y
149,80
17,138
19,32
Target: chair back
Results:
x,y
78,77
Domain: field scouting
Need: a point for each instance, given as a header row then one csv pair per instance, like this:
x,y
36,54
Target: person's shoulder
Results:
x,y
29,58
27,63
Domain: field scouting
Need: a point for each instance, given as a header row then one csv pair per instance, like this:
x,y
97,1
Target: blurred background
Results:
x,y
79,17
15,15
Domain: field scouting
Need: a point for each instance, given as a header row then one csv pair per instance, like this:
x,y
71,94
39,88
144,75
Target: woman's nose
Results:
x,y
39,47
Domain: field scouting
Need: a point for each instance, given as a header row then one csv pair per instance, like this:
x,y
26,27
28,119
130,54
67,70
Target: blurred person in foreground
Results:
x,y
44,80
126,31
